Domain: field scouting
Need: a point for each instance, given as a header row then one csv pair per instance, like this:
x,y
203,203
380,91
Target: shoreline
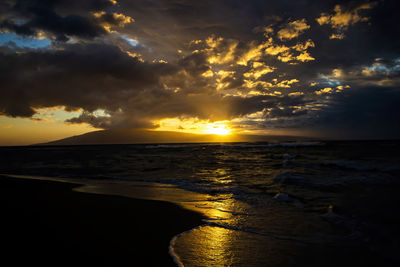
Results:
x,y
49,223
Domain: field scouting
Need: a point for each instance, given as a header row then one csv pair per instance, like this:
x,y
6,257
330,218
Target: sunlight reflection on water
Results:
x,y
220,241
266,206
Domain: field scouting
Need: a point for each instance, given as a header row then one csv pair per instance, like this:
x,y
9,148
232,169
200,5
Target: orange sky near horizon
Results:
x,y
47,126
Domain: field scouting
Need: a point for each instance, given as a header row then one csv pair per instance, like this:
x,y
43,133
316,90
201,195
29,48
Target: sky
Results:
x,y
328,69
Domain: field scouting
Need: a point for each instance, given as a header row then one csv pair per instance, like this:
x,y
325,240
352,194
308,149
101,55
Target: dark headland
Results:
x,y
132,136
46,223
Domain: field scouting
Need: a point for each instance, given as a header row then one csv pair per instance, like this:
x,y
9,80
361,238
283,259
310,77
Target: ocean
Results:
x,y
319,203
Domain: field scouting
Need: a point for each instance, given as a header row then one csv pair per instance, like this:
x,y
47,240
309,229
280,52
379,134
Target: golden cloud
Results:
x,y
295,94
109,20
293,29
254,53
305,56
259,69
339,36
342,19
287,54
326,90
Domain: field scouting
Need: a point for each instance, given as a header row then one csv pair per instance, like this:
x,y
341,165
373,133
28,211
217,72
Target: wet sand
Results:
x,y
47,223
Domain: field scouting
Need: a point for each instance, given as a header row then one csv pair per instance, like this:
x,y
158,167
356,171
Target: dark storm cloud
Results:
x,y
81,75
362,113
59,18
331,66
130,91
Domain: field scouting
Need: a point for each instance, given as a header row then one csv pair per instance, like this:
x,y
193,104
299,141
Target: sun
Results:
x,y
195,126
218,129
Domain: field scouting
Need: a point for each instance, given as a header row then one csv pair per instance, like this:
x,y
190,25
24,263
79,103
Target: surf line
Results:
x,y
172,243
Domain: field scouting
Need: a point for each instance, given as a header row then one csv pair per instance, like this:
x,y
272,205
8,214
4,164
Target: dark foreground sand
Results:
x,y
46,223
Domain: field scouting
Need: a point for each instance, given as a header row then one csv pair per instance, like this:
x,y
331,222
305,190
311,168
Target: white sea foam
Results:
x,y
172,252
171,248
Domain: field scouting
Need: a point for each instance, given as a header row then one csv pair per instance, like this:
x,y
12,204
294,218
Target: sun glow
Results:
x,y
195,126
218,129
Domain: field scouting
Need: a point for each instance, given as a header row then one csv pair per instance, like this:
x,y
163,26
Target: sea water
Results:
x,y
320,203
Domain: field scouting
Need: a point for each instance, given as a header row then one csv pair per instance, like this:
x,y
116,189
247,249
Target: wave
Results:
x,y
172,146
297,144
315,239
171,248
285,198
238,145
287,177
361,166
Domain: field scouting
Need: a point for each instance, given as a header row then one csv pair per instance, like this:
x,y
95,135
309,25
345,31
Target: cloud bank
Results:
x,y
263,65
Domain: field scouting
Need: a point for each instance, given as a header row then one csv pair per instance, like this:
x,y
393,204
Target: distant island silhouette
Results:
x,y
129,136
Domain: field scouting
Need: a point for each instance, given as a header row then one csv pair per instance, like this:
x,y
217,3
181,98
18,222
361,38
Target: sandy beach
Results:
x,y
49,224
